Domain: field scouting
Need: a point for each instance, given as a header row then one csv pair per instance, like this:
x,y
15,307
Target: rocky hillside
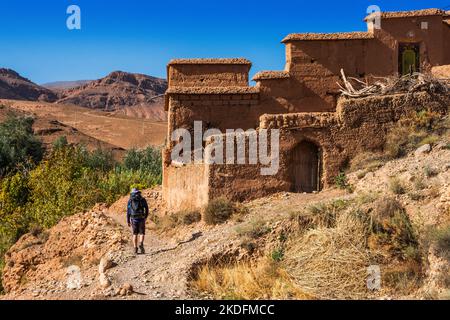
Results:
x,y
121,91
295,245
14,86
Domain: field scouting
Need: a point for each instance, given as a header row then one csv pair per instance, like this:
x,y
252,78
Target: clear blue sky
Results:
x,y
143,35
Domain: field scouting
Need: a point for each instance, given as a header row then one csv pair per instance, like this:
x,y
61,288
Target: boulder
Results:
x,y
426,148
105,264
104,281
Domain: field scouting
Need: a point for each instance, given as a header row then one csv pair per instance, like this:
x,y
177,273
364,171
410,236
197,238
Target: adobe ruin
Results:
x,y
320,132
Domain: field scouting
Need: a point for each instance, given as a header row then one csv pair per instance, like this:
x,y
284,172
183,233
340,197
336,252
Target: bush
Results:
x,y
148,159
184,217
396,186
430,171
18,145
391,229
441,236
60,142
218,211
341,181
412,131
254,229
98,159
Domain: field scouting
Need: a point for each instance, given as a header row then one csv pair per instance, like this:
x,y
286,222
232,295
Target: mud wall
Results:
x,y
409,30
185,187
446,41
359,125
208,74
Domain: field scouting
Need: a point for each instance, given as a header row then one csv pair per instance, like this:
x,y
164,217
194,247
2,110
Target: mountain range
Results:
x,y
129,94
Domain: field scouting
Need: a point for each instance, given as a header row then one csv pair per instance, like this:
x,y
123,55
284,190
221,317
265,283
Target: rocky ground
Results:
x,y
88,256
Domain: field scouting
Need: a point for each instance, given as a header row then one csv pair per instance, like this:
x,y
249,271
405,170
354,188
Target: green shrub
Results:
x,y
341,181
277,255
148,159
18,145
218,210
60,142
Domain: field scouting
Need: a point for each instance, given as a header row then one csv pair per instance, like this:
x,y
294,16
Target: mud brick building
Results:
x,y
319,131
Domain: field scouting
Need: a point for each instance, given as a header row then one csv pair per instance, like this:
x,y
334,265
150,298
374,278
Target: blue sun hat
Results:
x,y
134,190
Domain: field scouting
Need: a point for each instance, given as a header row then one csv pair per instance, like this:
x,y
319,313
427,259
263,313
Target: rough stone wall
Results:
x,y
208,75
358,125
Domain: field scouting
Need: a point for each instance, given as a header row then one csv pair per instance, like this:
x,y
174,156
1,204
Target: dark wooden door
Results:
x,y
306,166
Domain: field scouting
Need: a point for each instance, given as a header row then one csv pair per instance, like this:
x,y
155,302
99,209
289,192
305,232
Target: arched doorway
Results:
x,y
306,167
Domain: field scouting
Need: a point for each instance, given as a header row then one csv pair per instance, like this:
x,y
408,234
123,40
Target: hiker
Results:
x,y
137,213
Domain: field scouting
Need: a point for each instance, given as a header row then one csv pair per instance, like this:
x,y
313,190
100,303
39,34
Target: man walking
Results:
x,y
137,213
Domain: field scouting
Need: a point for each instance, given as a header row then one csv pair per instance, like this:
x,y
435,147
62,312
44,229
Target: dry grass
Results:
x,y
331,263
218,210
171,221
263,279
396,186
254,229
414,130
367,161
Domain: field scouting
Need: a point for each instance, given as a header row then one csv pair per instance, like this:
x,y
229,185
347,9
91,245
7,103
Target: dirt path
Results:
x,y
163,272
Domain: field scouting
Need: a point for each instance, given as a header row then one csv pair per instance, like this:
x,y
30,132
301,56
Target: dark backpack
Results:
x,y
137,207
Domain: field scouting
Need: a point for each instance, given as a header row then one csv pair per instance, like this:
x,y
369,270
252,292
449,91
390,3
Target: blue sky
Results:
x,y
143,35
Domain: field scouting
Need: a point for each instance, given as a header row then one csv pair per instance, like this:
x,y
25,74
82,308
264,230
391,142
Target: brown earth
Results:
x,y
95,128
50,129
14,86
121,90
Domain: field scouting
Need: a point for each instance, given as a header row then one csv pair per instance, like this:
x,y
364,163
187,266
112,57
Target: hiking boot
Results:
x,y
142,249
136,250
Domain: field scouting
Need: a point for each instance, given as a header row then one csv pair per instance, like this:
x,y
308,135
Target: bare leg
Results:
x,y
141,239
135,240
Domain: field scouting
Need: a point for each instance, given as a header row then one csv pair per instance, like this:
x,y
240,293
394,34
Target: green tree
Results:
x,y
18,145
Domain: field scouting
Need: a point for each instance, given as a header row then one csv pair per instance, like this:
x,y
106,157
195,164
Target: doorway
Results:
x,y
408,58
306,165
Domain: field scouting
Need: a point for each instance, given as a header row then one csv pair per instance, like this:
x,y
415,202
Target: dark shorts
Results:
x,y
138,226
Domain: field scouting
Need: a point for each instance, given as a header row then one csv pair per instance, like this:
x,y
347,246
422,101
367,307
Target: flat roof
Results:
x,y
267,75
408,14
211,61
328,36
212,90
